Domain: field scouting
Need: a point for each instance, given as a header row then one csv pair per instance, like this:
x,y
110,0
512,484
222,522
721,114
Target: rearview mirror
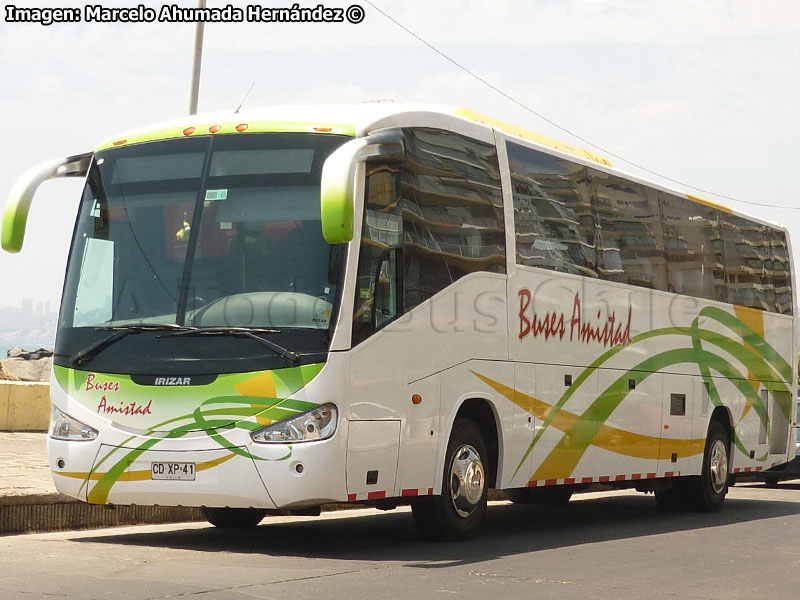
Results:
x,y
21,196
338,179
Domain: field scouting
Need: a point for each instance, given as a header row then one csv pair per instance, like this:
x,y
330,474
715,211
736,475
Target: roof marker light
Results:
x,y
242,127
188,131
120,142
323,129
214,128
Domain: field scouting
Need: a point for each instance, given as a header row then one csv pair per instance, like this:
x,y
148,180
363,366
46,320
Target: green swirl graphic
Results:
x,y
750,349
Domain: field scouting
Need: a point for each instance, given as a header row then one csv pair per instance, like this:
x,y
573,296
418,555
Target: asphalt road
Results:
x,y
614,545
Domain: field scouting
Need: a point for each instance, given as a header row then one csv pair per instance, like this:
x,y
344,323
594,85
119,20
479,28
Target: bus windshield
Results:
x,y
210,232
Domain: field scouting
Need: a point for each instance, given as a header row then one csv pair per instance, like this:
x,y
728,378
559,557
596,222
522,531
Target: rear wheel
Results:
x,y
460,510
234,518
707,493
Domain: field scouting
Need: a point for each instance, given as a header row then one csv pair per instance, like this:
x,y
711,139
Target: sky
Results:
x,y
704,92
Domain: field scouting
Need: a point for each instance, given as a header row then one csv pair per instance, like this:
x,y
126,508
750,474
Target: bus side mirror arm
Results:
x,y
338,173
21,196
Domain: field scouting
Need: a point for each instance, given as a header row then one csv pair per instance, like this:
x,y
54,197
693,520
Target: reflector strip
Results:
x,y
600,479
379,495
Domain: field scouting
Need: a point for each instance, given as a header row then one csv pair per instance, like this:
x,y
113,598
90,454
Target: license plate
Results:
x,y
172,471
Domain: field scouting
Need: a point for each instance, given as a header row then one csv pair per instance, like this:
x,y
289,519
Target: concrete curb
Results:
x,y
55,512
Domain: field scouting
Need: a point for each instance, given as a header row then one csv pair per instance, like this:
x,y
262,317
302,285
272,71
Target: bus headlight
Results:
x,y
64,427
316,424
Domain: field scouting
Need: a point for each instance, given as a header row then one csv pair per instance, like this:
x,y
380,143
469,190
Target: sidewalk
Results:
x,y
29,500
23,466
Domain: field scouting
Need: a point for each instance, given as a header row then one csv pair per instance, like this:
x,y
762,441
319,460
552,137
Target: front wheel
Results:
x,y
234,518
460,510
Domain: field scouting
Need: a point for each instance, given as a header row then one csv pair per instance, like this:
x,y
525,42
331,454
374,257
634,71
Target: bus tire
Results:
x,y
707,492
460,510
556,495
234,518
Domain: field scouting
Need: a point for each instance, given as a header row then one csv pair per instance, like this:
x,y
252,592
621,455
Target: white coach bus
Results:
x,y
394,304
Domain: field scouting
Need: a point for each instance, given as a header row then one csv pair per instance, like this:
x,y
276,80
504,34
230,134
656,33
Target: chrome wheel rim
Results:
x,y
718,466
466,480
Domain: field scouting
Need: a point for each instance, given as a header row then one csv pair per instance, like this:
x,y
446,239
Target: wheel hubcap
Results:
x,y
466,480
718,466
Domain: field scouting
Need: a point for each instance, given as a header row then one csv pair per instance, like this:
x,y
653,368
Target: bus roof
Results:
x,y
352,119
359,119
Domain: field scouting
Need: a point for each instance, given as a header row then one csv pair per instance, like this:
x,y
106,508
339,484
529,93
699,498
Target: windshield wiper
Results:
x,y
249,332
120,331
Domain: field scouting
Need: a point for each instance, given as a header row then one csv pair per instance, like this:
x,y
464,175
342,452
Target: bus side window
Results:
x,y
779,255
693,248
452,210
553,213
748,264
631,233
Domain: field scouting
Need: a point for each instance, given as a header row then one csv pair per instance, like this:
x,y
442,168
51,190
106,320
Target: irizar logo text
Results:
x,y
173,381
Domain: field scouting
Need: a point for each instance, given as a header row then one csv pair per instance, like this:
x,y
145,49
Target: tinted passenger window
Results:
x,y
631,235
580,220
552,212
452,210
781,273
694,249
747,260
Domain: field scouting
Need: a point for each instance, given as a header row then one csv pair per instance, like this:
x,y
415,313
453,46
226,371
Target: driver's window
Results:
x,y
387,289
377,287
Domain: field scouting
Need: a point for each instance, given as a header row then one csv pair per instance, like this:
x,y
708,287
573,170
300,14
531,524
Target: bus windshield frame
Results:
x,y
215,232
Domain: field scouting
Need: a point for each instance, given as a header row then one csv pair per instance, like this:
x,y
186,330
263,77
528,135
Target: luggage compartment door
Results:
x,y
372,450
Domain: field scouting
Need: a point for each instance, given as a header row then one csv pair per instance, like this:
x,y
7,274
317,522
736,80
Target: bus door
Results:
x,y
628,425
563,452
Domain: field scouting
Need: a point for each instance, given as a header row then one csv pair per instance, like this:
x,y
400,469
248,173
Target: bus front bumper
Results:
x,y
252,475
